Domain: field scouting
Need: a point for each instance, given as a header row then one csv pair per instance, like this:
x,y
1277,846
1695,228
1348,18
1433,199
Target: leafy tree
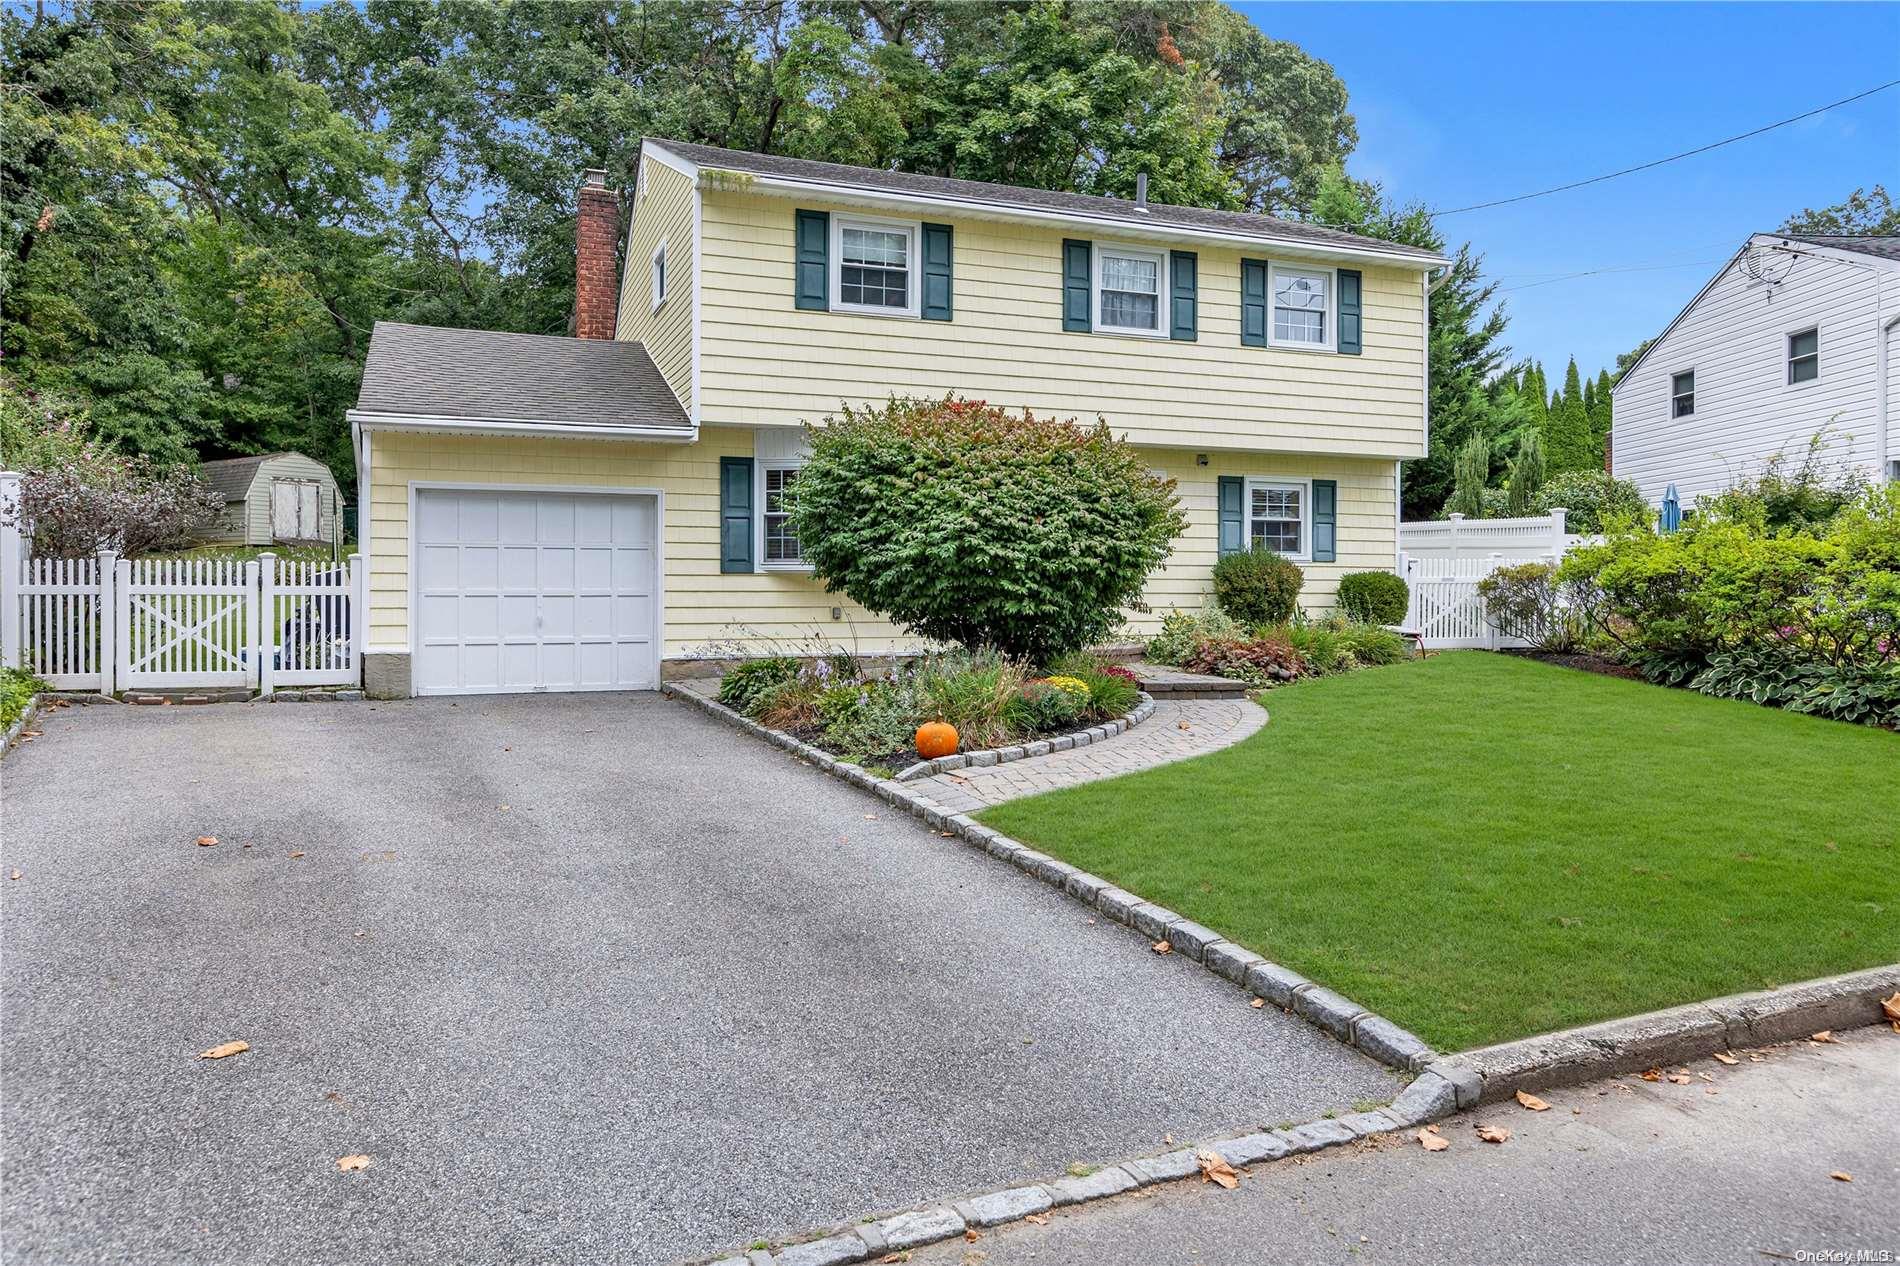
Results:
x,y
1473,473
1866,212
966,523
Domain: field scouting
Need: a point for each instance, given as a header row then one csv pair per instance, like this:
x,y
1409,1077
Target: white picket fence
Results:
x,y
112,624
1538,536
1443,561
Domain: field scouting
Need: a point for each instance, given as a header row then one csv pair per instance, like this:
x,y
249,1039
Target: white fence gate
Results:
x,y
62,621
1540,536
1446,611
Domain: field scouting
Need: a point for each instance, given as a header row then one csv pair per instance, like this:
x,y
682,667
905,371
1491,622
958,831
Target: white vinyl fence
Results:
x,y
1442,563
110,624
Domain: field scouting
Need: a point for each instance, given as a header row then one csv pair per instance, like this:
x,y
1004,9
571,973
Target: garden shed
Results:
x,y
273,497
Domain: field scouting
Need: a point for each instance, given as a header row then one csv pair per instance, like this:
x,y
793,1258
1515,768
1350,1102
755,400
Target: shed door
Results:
x,y
283,510
529,591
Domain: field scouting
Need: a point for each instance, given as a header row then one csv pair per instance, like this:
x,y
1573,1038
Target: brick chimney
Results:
x,y
596,275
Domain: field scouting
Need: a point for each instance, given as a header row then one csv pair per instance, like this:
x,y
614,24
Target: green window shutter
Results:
x,y
1253,302
813,250
1076,263
1325,520
938,253
1350,307
1233,520
735,513
1183,266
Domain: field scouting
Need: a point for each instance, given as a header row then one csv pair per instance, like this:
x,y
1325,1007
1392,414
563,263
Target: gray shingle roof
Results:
x,y
1882,247
481,375
1234,223
232,476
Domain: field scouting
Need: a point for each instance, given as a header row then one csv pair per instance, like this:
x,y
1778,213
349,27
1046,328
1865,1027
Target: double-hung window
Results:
x,y
780,536
874,266
1682,394
1302,300
1128,288
659,276
1804,356
1279,516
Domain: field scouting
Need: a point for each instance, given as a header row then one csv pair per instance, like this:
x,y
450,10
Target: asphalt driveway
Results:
x,y
589,978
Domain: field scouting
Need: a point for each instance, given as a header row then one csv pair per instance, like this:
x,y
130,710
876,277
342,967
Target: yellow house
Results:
x,y
603,511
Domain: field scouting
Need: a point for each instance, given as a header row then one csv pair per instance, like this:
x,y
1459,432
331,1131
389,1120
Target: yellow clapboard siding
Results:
x,y
765,363
707,612
663,210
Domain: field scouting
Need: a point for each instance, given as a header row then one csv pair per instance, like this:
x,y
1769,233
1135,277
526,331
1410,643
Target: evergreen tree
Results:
x,y
1526,474
1600,412
1567,443
1471,472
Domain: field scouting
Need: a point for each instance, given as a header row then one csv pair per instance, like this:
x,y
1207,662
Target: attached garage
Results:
x,y
535,590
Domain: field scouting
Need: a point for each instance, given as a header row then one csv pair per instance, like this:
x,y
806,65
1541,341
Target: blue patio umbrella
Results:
x,y
1671,510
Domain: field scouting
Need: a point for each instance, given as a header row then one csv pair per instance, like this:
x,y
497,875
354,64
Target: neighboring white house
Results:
x,y
1797,335
273,497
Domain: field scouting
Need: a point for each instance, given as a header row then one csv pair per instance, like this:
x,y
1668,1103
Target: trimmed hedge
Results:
x,y
1257,586
1374,597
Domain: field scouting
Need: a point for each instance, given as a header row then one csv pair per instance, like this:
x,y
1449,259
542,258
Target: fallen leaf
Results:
x,y
1037,1219
295,856
350,1164
903,1256
1215,1169
223,1049
1162,947
1258,1003
1652,1074
1494,1133
1432,1141
1840,1175
15,874
1532,1102
1823,1037
1725,1058
1680,1079
972,1235
1892,1007
503,808
870,817
207,841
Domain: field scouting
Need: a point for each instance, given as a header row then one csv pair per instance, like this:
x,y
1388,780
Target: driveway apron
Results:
x,y
589,978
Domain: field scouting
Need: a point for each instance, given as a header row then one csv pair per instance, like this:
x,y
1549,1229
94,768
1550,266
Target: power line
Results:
x,y
1688,153
1597,272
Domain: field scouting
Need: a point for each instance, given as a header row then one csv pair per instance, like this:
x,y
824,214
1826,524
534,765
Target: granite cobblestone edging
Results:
x,y
1443,1085
988,756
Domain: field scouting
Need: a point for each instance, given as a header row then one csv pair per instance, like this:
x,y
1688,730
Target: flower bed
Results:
x,y
1210,641
834,703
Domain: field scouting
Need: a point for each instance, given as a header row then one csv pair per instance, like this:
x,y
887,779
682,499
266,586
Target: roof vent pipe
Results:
x,y
1141,192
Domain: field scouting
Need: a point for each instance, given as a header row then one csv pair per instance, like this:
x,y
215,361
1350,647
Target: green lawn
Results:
x,y
1483,847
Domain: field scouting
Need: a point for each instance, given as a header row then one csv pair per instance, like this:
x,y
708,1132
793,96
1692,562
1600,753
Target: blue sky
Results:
x,y
1463,103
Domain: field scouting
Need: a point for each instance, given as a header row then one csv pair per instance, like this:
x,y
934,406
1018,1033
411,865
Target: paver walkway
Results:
x,y
1176,731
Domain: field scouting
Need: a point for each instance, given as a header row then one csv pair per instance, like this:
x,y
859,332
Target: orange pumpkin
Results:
x,y
936,738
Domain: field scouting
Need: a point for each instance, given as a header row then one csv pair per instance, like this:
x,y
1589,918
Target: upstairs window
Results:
x,y
659,276
1128,290
1276,517
780,537
1804,356
876,260
1682,394
1302,303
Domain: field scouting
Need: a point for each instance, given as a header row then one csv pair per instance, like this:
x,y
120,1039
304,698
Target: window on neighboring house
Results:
x,y
659,276
781,538
1302,300
875,262
1276,516
1128,290
1682,394
1804,356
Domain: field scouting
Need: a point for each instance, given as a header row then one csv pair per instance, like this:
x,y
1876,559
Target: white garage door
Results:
x,y
519,591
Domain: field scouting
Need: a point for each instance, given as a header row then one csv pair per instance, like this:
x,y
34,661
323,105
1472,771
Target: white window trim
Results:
x,y
913,254
1164,288
759,467
1788,357
1306,511
659,287
1277,266
1674,394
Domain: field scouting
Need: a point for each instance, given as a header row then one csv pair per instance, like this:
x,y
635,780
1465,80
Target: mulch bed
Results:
x,y
1583,662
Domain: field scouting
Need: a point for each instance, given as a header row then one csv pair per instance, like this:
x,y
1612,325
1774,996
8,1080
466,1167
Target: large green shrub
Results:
x,y
1524,600
1257,586
1374,597
740,688
1778,497
970,524
1594,501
